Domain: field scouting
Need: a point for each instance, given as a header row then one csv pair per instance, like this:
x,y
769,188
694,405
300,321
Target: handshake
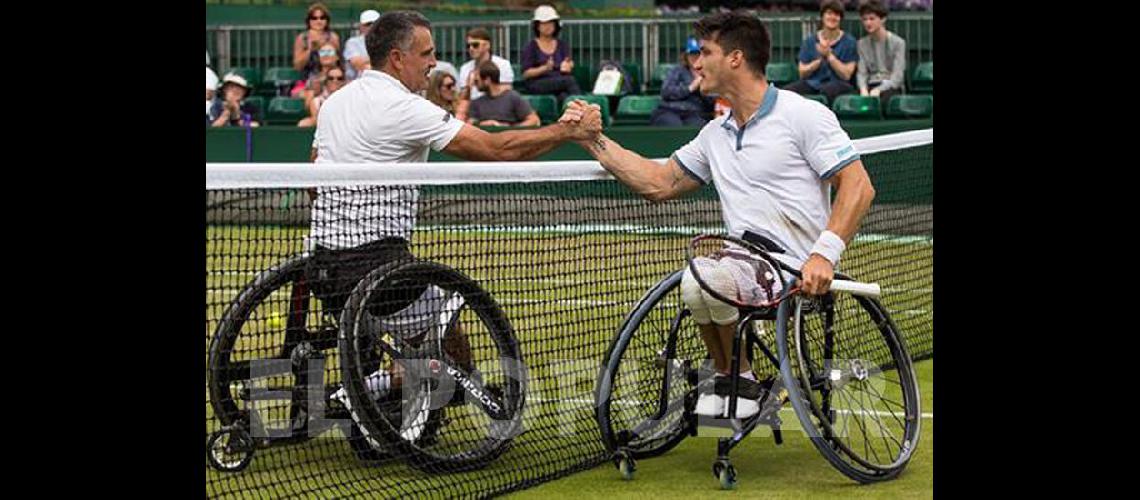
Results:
x,y
583,119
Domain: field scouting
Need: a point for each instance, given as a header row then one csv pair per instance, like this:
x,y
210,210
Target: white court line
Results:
x,y
638,403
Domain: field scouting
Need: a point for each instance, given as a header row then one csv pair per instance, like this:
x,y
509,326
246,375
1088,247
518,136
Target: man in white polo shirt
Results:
x,y
773,161
381,118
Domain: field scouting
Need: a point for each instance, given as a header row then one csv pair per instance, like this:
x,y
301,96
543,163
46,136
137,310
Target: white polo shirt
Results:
x,y
506,74
770,175
373,119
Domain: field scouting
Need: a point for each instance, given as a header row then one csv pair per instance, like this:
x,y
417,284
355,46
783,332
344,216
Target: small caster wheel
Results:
x,y
229,450
625,464
725,473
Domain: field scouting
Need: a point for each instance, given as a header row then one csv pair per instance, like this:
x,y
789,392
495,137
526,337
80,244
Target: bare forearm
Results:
x,y
513,145
844,70
645,177
534,72
809,68
300,57
851,203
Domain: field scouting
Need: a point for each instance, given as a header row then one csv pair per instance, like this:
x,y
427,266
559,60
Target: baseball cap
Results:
x,y
692,46
545,13
369,16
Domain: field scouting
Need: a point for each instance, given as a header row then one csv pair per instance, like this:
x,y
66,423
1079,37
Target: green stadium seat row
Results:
x,y
267,84
637,109
856,107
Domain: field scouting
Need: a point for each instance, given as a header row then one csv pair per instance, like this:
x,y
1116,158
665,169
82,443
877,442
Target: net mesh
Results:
x,y
564,250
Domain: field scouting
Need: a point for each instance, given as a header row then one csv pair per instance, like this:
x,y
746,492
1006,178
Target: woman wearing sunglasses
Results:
x,y
328,60
441,91
307,45
333,81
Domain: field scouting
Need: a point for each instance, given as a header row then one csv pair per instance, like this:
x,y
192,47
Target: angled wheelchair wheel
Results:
x,y
458,381
272,322
650,369
851,382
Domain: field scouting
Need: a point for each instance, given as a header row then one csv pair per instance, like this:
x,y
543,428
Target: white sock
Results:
x,y
748,375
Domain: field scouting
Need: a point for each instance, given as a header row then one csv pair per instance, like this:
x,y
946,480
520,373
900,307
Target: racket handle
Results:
x,y
854,287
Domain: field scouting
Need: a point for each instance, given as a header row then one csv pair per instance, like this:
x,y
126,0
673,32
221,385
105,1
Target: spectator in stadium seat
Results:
x,y
441,91
499,106
546,61
308,43
232,109
329,61
681,99
334,80
882,56
355,54
827,58
211,93
480,50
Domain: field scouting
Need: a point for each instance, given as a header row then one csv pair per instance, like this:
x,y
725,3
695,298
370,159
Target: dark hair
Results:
x,y
392,30
873,7
325,10
557,27
488,69
479,34
832,5
738,31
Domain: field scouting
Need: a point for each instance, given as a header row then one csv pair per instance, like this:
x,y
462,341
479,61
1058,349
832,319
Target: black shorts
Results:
x,y
333,274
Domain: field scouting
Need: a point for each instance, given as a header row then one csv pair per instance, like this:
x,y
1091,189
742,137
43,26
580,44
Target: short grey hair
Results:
x,y
393,30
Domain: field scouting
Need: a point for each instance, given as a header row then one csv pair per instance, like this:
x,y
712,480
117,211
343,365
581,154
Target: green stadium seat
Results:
x,y
517,68
822,99
259,103
601,100
923,80
285,111
781,74
857,107
634,71
636,109
584,75
911,106
653,87
275,78
545,105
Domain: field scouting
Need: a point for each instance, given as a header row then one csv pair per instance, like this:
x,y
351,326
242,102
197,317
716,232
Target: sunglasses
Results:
x,y
474,45
448,85
335,78
327,53
315,18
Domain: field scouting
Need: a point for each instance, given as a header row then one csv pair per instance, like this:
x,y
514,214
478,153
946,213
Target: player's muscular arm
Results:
x,y
853,197
651,180
475,144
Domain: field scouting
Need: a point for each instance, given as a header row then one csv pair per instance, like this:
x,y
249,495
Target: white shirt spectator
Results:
x,y
506,74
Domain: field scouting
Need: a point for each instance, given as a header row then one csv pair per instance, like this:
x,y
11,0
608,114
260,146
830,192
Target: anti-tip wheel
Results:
x,y
229,450
725,473
625,464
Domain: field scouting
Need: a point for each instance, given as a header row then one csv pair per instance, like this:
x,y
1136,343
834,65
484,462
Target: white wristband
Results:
x,y
829,246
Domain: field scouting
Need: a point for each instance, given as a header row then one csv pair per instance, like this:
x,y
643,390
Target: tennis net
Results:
x,y
566,252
